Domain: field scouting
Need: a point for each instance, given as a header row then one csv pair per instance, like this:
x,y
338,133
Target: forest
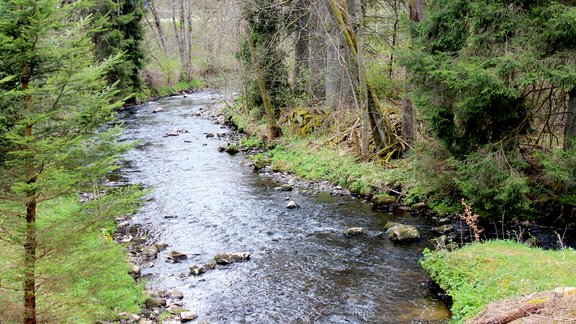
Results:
x,y
457,110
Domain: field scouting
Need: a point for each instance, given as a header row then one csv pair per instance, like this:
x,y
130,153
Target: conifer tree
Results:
x,y
53,100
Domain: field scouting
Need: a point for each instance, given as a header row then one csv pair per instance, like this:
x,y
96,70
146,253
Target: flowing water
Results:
x,y
302,269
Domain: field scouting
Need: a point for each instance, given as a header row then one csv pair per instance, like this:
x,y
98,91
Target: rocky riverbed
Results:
x,y
218,242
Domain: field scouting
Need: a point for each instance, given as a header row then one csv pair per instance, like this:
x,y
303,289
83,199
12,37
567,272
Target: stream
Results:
x,y
302,268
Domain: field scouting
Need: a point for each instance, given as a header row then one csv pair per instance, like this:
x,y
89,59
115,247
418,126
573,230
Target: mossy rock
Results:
x,y
232,149
383,200
403,233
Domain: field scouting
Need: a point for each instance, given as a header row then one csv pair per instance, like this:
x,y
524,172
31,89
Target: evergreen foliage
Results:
x,y
491,78
121,33
54,100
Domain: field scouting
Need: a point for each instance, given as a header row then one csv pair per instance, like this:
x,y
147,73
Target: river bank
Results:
x,y
388,187
207,202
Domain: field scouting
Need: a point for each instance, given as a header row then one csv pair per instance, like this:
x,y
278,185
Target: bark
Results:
x,y
177,31
394,38
382,132
158,24
416,8
316,52
362,89
275,131
29,282
570,128
301,40
341,72
189,39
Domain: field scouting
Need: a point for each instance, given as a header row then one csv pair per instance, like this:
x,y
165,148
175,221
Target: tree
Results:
x,y
493,80
121,33
53,100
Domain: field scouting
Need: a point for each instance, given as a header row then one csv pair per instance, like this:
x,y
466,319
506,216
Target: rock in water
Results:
x,y
232,149
197,269
227,258
175,294
383,200
292,205
150,252
158,110
403,233
176,132
443,229
354,231
176,256
188,316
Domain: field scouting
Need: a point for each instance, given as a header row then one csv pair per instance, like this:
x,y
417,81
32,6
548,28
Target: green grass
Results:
x,y
481,273
82,278
312,159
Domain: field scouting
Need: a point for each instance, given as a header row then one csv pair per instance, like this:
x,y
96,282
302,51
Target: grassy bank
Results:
x,y
321,156
82,274
478,274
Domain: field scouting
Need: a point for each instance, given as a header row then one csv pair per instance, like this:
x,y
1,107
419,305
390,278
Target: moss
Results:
x,y
383,199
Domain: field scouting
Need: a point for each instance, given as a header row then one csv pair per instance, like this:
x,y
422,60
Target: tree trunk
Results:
x,y
158,24
382,132
570,129
317,52
177,31
362,89
29,283
394,38
301,40
341,72
275,131
416,8
189,39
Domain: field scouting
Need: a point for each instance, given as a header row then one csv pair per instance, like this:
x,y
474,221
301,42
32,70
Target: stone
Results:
x,y
221,149
443,229
383,199
171,321
149,252
135,271
158,110
176,132
286,187
403,233
145,321
197,269
188,316
444,220
155,302
389,225
176,256
292,205
209,135
354,231
175,294
417,206
161,246
232,149
228,258
176,310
